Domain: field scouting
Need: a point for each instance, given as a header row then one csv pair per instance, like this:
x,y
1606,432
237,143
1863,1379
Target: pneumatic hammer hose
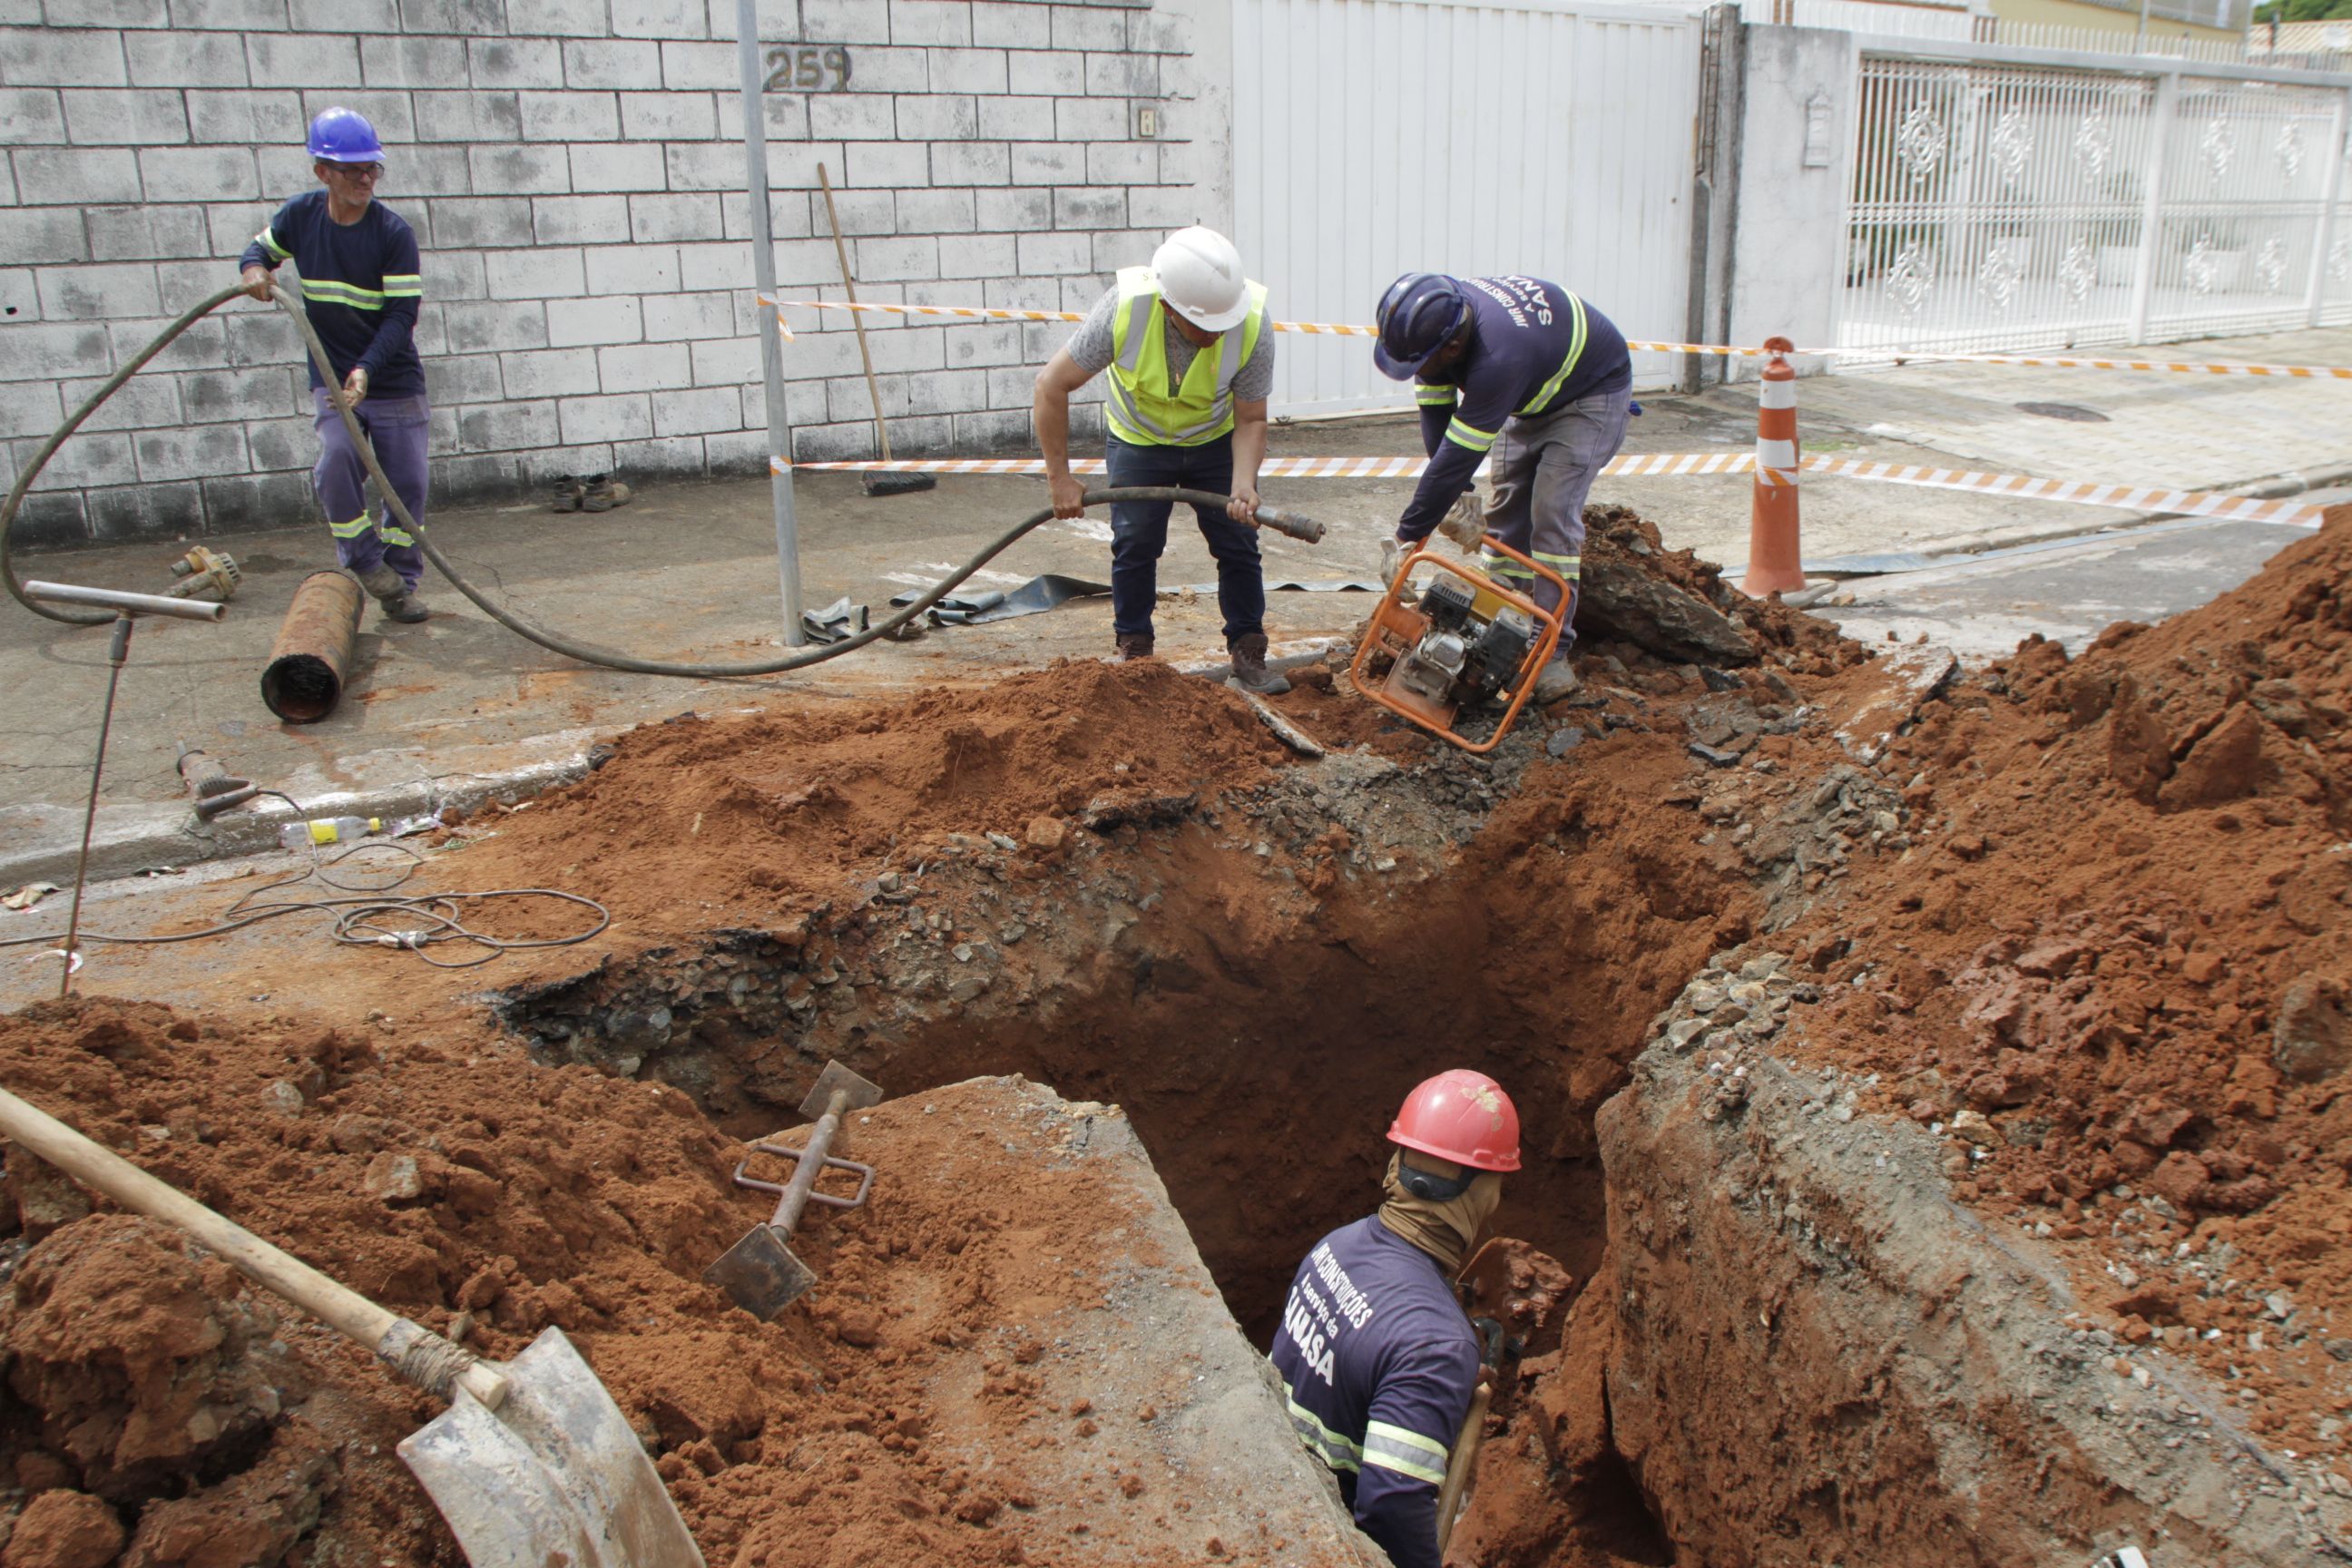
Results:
x,y
521,625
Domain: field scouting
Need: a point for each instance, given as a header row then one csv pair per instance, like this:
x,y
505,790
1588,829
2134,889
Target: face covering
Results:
x,y
1446,1230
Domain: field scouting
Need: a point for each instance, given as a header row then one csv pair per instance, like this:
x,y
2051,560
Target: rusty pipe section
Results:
x,y
304,680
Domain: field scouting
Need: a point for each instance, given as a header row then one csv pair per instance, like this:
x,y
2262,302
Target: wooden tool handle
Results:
x,y
417,1353
857,318
1458,1469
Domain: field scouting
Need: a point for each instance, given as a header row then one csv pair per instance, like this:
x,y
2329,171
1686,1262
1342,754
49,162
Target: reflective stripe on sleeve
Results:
x,y
1438,396
350,530
1407,1453
1470,435
1322,1442
268,240
404,286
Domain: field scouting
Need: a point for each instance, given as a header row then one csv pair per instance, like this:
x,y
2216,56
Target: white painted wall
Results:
x,y
574,169
1787,245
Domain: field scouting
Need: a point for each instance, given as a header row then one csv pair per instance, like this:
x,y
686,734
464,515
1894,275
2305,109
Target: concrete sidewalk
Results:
x,y
457,704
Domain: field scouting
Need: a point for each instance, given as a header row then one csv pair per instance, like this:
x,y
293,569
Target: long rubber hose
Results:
x,y
546,638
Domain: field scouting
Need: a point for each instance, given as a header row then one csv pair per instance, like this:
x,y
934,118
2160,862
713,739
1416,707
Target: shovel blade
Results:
x,y
759,1273
555,1476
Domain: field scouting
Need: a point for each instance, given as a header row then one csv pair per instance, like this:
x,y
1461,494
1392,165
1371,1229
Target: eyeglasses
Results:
x,y
357,171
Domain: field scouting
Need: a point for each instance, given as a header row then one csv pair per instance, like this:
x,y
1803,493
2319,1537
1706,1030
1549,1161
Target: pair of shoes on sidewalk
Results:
x,y
392,592
591,492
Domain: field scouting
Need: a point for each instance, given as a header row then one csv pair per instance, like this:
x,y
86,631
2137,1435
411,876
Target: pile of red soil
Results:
x,y
2115,965
159,1401
696,823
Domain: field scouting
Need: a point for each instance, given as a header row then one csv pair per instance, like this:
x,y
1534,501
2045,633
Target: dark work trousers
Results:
x,y
396,428
1543,470
1139,532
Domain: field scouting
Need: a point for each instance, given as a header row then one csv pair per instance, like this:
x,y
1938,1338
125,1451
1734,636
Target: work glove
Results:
x,y
1465,522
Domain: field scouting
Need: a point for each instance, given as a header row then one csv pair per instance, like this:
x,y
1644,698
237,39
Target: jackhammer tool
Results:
x,y
200,569
212,787
1467,641
759,1273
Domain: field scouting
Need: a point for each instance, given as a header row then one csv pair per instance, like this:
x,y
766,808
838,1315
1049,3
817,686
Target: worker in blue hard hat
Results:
x,y
1523,374
361,289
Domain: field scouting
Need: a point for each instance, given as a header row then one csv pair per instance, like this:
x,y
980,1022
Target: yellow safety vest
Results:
x,y
1140,411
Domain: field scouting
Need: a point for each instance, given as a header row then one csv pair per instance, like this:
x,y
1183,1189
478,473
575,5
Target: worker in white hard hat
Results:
x,y
1191,356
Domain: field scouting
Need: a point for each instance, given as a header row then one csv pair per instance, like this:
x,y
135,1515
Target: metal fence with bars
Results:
x,y
1999,205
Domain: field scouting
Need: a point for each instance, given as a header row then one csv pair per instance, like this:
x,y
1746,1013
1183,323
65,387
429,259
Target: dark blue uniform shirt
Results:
x,y
360,287
1535,348
1381,1364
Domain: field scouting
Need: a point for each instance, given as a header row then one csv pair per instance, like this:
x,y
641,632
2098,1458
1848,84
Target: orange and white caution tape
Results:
x,y
2178,367
1350,330
1658,465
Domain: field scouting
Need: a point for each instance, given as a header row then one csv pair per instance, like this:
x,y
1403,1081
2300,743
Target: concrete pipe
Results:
x,y
305,677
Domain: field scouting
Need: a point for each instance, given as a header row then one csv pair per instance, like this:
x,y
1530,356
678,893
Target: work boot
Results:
x,y
392,592
1250,672
1134,645
1557,680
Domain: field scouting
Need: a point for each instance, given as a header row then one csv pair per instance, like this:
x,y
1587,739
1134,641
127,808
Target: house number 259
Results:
x,y
808,68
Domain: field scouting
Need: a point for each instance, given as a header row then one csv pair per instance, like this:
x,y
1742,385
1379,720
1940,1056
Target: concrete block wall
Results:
x,y
575,176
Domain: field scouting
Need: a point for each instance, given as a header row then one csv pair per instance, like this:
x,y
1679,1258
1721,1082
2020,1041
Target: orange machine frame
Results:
x,y
1396,627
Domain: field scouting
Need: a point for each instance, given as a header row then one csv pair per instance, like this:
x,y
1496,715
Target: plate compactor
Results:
x,y
1468,641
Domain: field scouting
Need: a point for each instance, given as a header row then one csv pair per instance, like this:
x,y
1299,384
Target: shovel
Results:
x,y
759,1273
883,484
532,1463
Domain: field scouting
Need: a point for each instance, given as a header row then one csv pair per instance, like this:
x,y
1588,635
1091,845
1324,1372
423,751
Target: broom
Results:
x,y
883,484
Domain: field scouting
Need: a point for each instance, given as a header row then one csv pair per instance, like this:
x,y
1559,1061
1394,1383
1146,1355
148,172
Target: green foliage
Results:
x,y
2302,11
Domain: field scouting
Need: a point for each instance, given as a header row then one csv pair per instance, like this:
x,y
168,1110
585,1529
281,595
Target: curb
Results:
x,y
130,840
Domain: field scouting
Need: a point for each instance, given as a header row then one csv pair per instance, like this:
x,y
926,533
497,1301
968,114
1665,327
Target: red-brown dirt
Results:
x,y
2115,964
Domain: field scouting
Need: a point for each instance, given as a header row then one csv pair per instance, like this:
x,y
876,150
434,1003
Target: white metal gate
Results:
x,y
1999,206
1374,137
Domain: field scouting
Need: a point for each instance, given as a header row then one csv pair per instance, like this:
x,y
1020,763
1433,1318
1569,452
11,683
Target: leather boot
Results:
x,y
1250,672
392,595
1134,645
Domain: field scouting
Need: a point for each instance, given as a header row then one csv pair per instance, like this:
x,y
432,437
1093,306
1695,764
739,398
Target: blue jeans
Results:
x,y
396,427
1139,532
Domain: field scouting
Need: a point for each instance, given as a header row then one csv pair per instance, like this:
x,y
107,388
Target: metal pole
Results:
x,y
772,347
2151,212
2331,197
115,657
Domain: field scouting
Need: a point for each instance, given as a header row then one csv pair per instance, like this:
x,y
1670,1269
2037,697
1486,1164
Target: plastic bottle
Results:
x,y
327,830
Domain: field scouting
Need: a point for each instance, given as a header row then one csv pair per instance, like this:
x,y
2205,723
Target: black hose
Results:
x,y
554,641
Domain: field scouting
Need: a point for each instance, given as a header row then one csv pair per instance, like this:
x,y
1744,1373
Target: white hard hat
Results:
x,y
1199,273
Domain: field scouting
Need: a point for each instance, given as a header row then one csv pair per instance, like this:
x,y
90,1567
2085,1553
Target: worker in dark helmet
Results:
x,y
1523,373
1377,1355
360,290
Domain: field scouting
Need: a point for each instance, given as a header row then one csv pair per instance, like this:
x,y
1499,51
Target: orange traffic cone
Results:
x,y
1773,562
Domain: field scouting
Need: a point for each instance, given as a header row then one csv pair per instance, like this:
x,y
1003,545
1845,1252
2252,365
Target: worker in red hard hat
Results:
x,y
1378,1360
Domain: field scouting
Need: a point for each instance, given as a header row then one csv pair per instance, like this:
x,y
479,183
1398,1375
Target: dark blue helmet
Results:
x,y
1418,316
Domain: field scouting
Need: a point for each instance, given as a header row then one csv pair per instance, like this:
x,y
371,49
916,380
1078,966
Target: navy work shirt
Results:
x,y
361,288
1381,1364
1535,348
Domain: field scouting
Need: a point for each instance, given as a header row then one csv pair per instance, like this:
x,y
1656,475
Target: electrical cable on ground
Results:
x,y
370,917
514,621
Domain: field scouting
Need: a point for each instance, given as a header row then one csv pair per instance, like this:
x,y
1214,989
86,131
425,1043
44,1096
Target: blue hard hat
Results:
x,y
343,136
1418,316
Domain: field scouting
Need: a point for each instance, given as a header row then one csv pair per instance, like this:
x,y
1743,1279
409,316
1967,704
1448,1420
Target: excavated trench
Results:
x,y
1258,1016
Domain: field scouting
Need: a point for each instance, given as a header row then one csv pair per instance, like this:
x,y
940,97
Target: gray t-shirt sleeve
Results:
x,y
1257,377
1089,347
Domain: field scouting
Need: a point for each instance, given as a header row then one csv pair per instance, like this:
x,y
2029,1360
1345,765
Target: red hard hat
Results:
x,y
1462,1116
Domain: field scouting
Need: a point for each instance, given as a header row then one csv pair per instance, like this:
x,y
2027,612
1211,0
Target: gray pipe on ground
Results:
x,y
304,680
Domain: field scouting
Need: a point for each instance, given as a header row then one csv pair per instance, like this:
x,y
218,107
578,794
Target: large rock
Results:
x,y
1821,1358
2312,1037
